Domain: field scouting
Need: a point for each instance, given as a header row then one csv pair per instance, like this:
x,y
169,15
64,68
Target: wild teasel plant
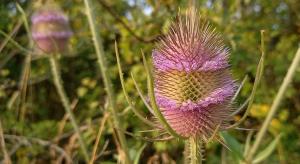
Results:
x,y
193,85
168,73
51,32
50,29
186,99
192,91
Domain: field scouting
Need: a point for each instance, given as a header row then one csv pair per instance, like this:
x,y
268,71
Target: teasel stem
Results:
x,y
195,156
26,67
107,82
287,79
66,103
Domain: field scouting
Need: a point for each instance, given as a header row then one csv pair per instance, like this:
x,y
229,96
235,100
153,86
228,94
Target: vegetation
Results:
x,y
263,37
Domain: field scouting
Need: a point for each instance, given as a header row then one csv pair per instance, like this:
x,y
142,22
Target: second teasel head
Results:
x,y
193,83
50,29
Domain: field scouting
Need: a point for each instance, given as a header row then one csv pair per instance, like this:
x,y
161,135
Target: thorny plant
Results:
x,y
190,92
191,46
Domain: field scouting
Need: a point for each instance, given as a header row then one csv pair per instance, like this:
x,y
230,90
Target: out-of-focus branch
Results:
x,y
41,142
81,129
7,58
7,159
103,120
64,120
126,26
33,81
12,33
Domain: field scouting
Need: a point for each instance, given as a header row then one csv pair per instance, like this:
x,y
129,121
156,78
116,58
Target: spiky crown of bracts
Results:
x,y
193,83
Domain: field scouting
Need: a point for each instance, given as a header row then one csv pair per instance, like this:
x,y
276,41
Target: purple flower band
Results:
x,y
218,96
55,35
49,16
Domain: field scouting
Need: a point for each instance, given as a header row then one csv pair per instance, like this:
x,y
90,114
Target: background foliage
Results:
x,y
35,110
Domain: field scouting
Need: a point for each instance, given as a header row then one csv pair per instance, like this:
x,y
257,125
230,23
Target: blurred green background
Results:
x,y
32,108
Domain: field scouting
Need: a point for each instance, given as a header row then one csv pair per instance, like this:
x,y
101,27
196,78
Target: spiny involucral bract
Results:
x,y
50,29
193,83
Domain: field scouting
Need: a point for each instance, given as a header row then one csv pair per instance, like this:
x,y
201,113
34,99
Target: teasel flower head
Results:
x,y
50,29
193,84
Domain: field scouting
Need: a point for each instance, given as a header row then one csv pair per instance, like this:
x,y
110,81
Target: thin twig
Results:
x,y
20,47
7,159
103,149
39,141
98,138
118,19
7,58
125,111
62,123
14,149
32,81
72,144
64,120
81,129
11,34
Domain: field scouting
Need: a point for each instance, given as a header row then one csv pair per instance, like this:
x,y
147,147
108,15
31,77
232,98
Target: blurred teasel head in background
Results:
x,y
193,83
50,29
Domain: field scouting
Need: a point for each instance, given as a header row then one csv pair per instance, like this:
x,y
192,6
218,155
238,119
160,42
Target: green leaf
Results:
x,y
267,151
139,153
234,146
